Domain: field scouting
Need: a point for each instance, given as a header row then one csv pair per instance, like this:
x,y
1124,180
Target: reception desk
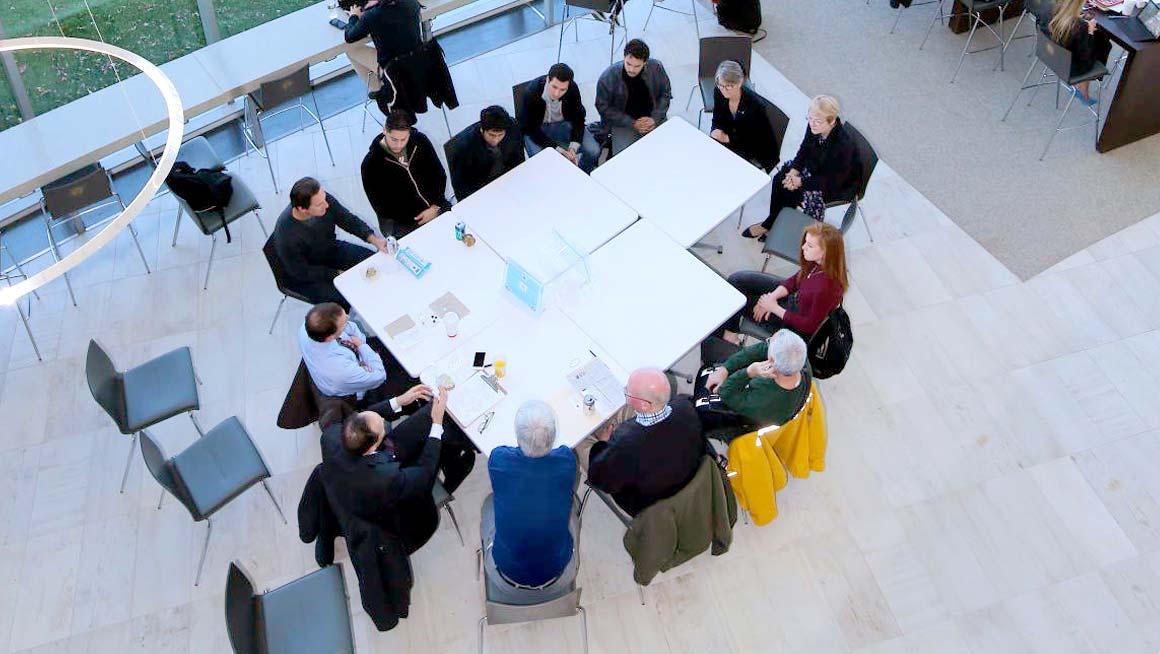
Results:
x,y
1132,109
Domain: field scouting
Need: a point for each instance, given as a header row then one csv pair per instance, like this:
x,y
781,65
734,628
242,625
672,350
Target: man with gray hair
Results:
x,y
526,522
654,454
761,385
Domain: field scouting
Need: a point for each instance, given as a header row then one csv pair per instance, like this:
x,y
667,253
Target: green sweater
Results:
x,y
760,400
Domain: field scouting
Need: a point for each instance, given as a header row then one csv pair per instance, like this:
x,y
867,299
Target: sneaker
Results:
x,y
1087,102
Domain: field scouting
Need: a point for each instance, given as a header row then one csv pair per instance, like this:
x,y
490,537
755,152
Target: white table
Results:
x,y
649,300
540,352
473,274
516,214
681,179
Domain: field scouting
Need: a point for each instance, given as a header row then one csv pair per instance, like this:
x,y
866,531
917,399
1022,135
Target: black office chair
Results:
x,y
198,153
453,150
68,199
1056,61
784,238
279,281
143,396
268,101
519,92
973,9
778,124
608,12
309,615
712,51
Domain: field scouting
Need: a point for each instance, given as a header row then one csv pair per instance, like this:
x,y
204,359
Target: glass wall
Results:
x,y
240,15
159,31
9,112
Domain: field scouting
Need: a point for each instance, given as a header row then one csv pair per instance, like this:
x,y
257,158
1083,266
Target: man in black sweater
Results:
x,y
403,177
552,116
306,246
484,151
652,455
393,26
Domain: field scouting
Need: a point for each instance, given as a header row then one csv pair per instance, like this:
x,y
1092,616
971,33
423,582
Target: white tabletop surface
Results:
x,y
540,351
474,274
516,214
649,301
681,179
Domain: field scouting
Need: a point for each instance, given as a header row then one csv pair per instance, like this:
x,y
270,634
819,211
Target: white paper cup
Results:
x,y
451,323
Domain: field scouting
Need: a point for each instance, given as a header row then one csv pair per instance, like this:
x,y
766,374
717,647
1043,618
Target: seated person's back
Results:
x,y
533,487
761,385
652,455
484,151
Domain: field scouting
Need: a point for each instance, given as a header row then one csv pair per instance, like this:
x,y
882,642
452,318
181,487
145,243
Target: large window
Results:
x,y
240,15
159,31
9,112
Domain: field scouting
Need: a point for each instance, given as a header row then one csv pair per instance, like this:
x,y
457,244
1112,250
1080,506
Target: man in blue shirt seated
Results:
x,y
528,521
342,362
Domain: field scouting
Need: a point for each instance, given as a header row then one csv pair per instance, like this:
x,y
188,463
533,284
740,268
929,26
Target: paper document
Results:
x,y
594,377
473,397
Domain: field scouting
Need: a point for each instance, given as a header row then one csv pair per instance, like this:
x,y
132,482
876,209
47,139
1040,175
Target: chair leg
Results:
x,y
1022,87
478,563
318,117
270,164
133,232
56,255
28,330
896,19
1034,92
204,551
196,425
456,523
649,17
640,589
277,313
865,222
937,19
482,624
161,499
129,461
176,227
261,224
1058,125
563,27
766,264
963,55
583,627
209,264
447,121
691,92
20,270
275,501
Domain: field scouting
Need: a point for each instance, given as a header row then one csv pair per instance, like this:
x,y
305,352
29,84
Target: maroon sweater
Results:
x,y
818,295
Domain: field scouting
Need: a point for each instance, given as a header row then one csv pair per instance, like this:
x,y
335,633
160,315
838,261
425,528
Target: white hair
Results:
x,y
729,72
535,428
787,351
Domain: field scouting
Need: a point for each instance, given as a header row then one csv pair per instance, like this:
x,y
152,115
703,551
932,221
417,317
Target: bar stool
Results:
x,y
7,276
974,11
267,101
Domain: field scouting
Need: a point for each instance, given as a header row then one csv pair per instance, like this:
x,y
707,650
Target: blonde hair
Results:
x,y
826,106
1064,18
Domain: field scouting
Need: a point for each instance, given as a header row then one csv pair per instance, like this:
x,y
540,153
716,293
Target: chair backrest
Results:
x,y
866,155
275,264
106,383
1040,10
241,617
518,92
161,467
452,149
778,121
272,93
715,49
1053,55
78,190
604,6
146,154
561,607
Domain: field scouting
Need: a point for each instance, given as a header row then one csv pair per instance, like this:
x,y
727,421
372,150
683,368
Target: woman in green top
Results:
x,y
761,385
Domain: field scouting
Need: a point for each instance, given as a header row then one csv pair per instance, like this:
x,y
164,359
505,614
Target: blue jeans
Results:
x,y
561,132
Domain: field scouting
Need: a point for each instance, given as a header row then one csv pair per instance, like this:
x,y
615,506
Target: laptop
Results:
x,y
1144,26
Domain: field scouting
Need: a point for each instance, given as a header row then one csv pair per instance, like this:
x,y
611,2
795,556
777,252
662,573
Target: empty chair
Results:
x,y
6,276
784,237
309,615
67,200
713,50
205,476
268,101
1056,61
143,396
609,12
280,281
198,153
973,10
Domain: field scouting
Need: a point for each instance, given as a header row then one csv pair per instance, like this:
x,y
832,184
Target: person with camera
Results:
x,y
394,28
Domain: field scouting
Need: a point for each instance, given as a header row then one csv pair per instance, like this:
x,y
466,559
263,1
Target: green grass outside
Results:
x,y
159,31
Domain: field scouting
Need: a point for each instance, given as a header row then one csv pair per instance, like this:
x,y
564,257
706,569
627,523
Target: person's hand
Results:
x,y
764,307
716,378
439,406
355,10
427,215
760,369
719,136
605,431
379,242
355,342
415,393
648,125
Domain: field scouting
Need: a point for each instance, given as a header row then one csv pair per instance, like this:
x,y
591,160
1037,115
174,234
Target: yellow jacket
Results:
x,y
758,460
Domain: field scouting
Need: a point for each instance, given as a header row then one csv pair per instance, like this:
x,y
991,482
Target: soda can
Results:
x,y
460,230
392,246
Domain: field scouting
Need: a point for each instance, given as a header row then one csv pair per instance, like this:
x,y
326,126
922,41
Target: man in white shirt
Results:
x,y
342,363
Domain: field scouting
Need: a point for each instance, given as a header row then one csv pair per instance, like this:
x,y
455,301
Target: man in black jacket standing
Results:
x,y
484,151
552,116
305,243
394,27
403,177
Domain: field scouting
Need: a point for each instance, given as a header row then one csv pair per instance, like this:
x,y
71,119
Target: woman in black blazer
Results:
x,y
739,120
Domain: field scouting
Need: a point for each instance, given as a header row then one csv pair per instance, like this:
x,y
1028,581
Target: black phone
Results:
x,y
339,23
479,359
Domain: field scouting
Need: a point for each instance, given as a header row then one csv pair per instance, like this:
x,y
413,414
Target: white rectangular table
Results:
x,y
681,179
516,214
649,300
473,274
540,351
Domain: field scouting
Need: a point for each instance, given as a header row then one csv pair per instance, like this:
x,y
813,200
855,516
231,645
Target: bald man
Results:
x,y
652,455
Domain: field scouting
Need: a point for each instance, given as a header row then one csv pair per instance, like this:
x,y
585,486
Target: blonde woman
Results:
x,y
826,168
1073,30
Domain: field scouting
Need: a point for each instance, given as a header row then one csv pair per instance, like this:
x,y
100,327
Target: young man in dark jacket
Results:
x,y
403,177
633,96
484,151
552,116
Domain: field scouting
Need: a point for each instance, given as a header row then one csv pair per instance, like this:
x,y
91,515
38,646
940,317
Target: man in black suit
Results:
x,y
652,455
484,151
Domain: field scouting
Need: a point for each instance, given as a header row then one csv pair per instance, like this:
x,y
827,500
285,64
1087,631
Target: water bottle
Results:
x,y
392,246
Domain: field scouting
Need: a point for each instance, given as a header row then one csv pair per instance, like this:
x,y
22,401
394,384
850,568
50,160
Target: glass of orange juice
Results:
x,y
500,366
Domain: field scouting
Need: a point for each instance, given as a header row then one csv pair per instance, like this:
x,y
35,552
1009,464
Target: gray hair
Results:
x,y
729,72
787,351
535,428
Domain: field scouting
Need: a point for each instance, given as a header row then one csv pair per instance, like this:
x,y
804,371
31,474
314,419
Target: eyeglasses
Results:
x,y
633,397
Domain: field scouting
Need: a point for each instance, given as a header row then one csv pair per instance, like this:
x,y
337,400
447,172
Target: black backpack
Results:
x,y
830,348
740,15
204,189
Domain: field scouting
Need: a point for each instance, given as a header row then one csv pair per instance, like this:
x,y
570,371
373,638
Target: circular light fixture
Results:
x,y
176,114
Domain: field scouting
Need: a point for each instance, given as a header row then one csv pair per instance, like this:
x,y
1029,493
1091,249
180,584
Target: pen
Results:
x,y
486,421
593,354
